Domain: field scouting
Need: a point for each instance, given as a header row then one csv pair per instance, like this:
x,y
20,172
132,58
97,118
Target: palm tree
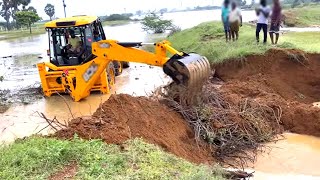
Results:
x,y
49,9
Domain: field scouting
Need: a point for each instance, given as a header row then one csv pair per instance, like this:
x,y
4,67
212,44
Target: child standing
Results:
x,y
225,19
235,20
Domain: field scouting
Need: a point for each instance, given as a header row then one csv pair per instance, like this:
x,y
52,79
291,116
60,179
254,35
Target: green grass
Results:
x,y
37,28
308,15
208,39
38,158
307,41
8,35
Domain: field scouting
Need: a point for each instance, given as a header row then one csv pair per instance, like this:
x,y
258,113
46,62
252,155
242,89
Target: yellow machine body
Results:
x,y
98,73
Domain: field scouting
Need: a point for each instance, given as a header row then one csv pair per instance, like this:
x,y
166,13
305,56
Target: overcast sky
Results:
x,y
104,7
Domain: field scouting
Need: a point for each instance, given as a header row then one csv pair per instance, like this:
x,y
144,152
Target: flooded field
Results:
x,y
22,120
294,157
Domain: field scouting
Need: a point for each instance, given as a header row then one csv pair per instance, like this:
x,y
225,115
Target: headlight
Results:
x,y
105,45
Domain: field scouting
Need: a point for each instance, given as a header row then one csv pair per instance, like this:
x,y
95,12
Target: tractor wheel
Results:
x,y
111,74
125,64
118,68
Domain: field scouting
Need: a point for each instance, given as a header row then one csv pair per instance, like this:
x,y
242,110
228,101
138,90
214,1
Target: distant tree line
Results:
x,y
116,17
12,10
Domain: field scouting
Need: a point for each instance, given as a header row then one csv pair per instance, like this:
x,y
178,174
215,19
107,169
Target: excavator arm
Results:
x,y
111,49
188,70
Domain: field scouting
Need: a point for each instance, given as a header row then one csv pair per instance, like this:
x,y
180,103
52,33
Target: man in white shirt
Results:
x,y
263,13
235,20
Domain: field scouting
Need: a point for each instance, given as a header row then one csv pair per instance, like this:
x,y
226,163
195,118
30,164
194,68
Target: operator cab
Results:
x,y
60,51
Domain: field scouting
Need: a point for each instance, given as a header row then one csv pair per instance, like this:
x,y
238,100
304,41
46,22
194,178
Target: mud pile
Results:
x,y
245,104
123,117
289,79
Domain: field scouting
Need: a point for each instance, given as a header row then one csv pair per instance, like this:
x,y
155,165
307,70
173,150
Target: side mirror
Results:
x,y
48,52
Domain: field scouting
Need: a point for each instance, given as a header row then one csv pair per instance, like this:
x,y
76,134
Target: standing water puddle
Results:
x,y
295,157
23,120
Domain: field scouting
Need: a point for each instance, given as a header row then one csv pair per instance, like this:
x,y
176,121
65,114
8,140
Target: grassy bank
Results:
x,y
37,28
208,39
308,15
7,35
40,158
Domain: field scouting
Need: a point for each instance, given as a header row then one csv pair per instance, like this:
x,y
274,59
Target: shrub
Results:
x,y
154,23
116,17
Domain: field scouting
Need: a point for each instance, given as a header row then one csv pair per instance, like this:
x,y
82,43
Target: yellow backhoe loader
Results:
x,y
82,60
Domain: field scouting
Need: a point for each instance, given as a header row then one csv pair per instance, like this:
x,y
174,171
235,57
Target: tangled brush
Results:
x,y
234,131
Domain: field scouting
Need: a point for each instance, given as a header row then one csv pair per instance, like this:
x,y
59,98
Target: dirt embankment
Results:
x,y
287,78
123,117
258,98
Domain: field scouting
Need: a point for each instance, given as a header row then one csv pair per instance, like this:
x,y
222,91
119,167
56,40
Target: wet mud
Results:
x,y
124,117
25,96
272,80
19,81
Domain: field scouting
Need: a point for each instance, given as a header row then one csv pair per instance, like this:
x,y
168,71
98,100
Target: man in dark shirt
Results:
x,y
275,21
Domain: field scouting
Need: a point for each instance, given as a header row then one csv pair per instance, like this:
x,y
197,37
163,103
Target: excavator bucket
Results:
x,y
189,72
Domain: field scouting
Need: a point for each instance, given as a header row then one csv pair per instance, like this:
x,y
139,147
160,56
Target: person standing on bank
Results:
x,y
275,21
235,20
225,19
263,13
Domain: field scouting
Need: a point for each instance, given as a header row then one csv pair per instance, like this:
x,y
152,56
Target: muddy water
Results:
x,y
294,157
20,121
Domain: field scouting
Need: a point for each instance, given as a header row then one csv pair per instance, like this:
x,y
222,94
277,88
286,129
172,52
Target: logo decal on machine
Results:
x,y
90,72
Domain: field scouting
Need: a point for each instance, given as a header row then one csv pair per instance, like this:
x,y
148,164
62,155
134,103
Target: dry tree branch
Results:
x,y
231,130
65,101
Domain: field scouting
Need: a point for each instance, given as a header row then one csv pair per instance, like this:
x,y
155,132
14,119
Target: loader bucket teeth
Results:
x,y
190,70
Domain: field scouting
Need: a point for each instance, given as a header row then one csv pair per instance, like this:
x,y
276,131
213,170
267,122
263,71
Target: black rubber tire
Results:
x,y
125,64
118,68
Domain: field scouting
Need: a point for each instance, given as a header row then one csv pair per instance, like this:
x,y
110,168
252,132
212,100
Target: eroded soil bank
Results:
x,y
286,78
259,96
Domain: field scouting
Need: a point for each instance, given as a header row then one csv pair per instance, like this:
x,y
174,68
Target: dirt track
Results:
x,y
288,79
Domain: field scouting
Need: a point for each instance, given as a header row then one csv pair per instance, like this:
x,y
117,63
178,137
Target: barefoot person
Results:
x,y
225,19
263,13
275,21
235,20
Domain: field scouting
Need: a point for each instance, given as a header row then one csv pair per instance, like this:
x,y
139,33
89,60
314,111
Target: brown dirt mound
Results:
x,y
123,117
288,78
256,95
292,74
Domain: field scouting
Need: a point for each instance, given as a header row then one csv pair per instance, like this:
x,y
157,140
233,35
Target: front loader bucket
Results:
x,y
189,71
